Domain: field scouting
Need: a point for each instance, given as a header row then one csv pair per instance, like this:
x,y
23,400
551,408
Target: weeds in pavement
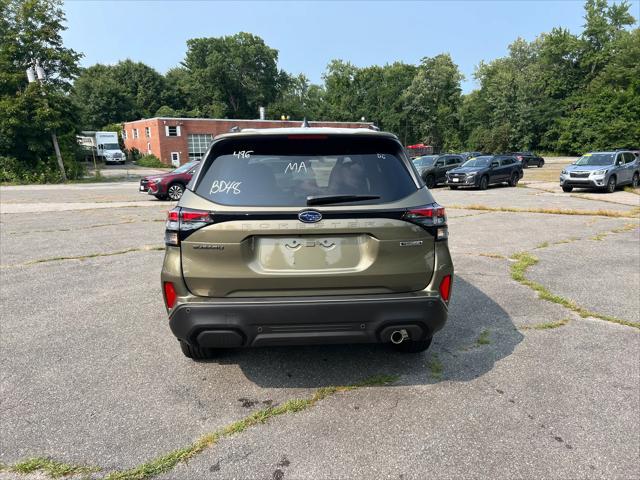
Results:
x,y
168,461
50,467
435,367
524,260
552,211
483,339
546,325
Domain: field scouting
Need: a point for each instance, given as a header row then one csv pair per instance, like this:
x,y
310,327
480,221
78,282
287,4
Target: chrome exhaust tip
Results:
x,y
399,336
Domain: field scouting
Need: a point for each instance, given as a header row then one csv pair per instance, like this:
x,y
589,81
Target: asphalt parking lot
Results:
x,y
536,374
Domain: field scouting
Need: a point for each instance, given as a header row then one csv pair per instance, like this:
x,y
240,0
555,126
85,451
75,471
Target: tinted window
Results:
x,y
454,160
425,161
185,168
508,161
629,157
478,162
284,172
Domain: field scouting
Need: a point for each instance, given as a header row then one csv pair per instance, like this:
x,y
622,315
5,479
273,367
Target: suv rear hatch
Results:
x,y
288,215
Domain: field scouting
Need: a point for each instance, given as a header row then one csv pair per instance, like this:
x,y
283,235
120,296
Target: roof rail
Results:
x,y
234,129
374,127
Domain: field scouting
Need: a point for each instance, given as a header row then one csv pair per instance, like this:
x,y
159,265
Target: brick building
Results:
x,y
179,140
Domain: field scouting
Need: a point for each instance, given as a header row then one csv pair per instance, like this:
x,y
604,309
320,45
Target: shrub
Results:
x,y
150,161
14,171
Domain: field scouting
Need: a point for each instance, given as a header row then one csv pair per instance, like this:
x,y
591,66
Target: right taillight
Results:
x,y
432,218
445,288
182,221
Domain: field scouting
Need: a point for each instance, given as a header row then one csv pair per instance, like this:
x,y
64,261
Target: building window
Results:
x,y
175,159
172,131
135,133
147,132
124,134
148,147
198,145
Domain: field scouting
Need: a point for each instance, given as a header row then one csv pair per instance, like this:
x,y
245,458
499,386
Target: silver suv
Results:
x,y
602,170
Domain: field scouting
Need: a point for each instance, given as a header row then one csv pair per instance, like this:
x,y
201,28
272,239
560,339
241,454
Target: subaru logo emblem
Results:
x,y
309,216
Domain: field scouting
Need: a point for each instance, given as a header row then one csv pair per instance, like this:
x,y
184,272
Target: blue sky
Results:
x,y
309,34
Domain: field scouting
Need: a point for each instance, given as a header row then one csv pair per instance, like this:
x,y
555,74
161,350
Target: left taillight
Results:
x,y
431,217
182,221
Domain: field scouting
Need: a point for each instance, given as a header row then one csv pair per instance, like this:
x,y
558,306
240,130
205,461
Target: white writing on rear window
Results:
x,y
225,186
296,167
243,154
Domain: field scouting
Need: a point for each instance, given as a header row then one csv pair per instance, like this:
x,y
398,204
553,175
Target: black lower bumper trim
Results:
x,y
305,321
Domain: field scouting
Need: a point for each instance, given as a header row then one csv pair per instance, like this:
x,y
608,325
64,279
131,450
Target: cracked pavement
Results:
x,y
91,375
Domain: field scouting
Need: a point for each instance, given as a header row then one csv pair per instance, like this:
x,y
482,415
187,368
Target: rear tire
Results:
x,y
484,183
611,184
635,180
567,189
430,181
514,180
196,353
540,163
411,346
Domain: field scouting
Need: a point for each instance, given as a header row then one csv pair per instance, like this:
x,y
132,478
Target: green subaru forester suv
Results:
x,y
306,236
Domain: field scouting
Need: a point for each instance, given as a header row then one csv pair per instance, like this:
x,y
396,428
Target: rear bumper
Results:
x,y
250,322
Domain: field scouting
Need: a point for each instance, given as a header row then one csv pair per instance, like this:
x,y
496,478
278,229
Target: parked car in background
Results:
x,y
602,170
469,155
169,186
528,159
433,168
484,171
257,255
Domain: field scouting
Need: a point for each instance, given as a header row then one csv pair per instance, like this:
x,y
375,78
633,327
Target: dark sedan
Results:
x,y
484,171
528,159
171,185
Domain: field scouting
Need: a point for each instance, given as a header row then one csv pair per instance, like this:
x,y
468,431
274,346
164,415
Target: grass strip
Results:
x,y
170,460
50,467
550,211
524,260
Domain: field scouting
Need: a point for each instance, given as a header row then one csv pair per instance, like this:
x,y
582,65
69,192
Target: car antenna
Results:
x,y
305,124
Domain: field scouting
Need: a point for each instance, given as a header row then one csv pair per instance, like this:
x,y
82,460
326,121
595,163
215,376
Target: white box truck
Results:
x,y
104,145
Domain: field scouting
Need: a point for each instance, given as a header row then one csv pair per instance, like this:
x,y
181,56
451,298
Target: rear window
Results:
x,y
284,171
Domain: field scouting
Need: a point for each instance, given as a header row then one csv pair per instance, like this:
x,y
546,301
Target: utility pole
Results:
x,y
41,77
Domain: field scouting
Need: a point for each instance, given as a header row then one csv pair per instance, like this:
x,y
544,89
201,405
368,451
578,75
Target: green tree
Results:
x,y
29,113
118,93
434,98
231,76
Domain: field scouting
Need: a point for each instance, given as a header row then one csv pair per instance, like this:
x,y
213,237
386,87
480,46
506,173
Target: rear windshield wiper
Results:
x,y
326,199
